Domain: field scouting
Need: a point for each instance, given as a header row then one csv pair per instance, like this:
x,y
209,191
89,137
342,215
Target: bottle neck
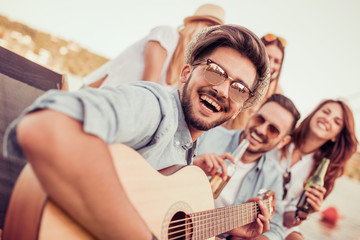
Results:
x,y
321,170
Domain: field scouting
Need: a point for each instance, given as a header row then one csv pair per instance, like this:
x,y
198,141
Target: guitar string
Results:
x,y
237,208
219,221
204,232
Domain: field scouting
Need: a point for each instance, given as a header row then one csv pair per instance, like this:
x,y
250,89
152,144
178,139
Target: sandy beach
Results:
x,y
346,198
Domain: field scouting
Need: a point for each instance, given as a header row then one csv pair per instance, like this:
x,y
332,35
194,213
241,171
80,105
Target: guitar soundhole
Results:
x,y
180,227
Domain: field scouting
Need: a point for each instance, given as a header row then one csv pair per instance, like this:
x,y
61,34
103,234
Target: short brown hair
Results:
x,y
287,104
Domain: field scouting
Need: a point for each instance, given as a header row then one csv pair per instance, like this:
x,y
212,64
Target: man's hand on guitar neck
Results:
x,y
254,229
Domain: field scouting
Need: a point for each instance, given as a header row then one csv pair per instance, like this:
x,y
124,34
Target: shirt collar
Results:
x,y
182,134
261,162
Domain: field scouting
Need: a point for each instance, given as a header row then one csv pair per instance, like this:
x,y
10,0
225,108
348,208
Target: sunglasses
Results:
x,y
286,181
215,75
271,130
271,38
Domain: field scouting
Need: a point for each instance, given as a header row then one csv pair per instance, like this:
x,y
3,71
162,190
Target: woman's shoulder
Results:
x,y
166,28
165,31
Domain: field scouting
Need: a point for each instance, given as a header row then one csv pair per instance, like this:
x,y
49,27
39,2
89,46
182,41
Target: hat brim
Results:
x,y
204,18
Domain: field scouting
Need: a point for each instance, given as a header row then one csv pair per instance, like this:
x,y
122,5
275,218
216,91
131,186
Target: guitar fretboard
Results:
x,y
210,223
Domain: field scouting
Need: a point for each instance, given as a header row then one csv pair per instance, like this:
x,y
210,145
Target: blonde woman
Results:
x,y
275,48
159,56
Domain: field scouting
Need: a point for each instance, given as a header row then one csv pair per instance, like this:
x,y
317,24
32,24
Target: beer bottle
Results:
x,y
315,180
216,182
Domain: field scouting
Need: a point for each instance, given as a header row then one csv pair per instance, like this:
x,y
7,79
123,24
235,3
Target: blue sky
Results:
x,y
322,55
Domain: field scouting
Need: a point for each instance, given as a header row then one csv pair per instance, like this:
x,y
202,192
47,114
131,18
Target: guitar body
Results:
x,y
158,199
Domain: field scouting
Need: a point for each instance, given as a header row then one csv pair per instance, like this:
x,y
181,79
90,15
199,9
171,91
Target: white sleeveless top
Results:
x,y
128,66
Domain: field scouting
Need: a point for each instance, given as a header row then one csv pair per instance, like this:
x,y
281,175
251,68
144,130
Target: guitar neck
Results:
x,y
213,222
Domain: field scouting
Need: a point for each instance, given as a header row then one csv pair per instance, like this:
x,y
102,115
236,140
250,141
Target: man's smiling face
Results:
x,y
267,127
205,105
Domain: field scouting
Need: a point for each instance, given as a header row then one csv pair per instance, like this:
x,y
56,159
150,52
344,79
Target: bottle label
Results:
x,y
217,184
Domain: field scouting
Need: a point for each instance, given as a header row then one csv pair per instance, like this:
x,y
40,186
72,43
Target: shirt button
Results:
x,y
177,142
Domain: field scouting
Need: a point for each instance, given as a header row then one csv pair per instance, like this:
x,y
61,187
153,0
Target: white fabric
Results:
x,y
299,173
129,64
228,194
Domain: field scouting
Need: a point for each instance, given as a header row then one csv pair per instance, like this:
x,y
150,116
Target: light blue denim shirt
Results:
x,y
264,175
142,115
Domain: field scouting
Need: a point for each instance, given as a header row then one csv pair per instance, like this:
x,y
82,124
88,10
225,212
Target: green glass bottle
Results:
x,y
315,180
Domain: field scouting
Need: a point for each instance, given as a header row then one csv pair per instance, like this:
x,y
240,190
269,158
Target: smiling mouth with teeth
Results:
x,y
256,137
210,104
322,125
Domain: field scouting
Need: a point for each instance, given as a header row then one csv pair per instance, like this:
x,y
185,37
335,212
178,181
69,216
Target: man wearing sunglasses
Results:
x,y
270,127
65,135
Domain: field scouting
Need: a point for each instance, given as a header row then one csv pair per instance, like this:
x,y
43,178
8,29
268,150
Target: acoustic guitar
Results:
x,y
176,203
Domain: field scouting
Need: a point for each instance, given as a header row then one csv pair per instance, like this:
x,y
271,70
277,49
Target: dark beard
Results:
x,y
189,114
257,152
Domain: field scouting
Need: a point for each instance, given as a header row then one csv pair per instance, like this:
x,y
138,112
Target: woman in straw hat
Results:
x,y
157,57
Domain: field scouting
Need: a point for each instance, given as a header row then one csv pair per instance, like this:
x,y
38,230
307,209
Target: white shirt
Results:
x,y
299,173
129,64
228,195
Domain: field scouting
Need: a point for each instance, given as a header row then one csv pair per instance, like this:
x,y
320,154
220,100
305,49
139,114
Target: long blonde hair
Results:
x,y
243,117
186,32
274,89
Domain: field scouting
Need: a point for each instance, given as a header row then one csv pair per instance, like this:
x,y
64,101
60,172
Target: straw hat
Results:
x,y
208,12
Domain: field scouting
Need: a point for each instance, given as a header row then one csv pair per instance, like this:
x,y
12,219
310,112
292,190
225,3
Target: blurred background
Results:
x,y
321,58
74,37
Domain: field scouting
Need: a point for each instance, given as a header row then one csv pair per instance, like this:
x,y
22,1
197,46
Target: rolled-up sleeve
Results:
x,y
127,114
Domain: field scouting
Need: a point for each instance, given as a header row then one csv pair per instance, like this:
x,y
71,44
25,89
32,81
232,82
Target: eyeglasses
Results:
x,y
271,37
271,130
215,75
286,181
